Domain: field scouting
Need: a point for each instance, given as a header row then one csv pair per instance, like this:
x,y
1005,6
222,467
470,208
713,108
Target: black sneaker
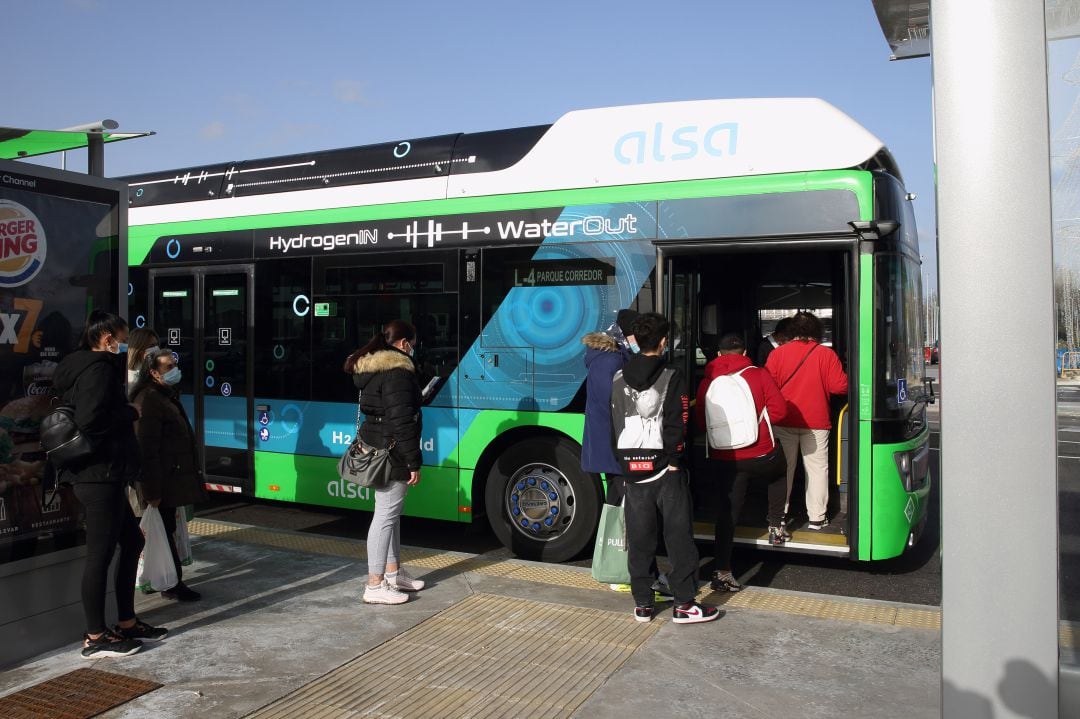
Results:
x,y
817,525
109,644
778,535
142,630
182,593
644,614
724,583
693,613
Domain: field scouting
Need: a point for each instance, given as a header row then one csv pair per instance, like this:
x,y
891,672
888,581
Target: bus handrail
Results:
x,y
840,444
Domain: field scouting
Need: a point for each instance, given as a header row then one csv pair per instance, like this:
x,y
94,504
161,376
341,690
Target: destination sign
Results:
x,y
560,273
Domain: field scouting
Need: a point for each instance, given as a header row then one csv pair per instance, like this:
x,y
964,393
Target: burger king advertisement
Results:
x,y
60,249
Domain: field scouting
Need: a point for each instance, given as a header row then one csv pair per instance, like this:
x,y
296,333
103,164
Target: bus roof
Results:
x,y
614,146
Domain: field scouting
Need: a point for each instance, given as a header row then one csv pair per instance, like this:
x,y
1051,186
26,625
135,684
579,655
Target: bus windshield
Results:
x,y
898,336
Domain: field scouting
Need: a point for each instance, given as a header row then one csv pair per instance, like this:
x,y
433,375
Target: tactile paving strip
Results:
x,y
485,657
820,607
76,695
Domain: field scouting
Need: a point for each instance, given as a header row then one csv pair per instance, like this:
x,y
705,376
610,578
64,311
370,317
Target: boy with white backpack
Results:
x,y
737,404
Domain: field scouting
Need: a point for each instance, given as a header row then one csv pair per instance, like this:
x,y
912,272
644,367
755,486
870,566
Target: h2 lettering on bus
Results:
x,y
343,439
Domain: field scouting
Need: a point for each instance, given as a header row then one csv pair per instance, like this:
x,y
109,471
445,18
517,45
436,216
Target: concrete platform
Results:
x,y
281,611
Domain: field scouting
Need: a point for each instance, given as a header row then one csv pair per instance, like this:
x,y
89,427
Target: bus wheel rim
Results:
x,y
540,502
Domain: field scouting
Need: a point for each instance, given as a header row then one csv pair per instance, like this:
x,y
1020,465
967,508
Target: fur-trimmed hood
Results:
x,y
383,361
600,341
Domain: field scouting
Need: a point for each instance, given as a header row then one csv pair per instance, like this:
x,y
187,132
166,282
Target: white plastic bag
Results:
x,y
182,538
159,571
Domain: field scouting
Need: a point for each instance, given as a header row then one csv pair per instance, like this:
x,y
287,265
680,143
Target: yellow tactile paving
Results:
x,y
487,656
820,607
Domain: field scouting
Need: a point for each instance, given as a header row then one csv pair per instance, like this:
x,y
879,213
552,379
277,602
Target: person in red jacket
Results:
x,y
807,373
761,461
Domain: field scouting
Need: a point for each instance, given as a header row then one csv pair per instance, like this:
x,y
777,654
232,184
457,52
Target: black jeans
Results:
x,y
735,476
671,496
109,522
168,518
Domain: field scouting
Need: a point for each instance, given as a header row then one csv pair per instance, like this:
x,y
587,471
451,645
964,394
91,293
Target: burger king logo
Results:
x,y
22,244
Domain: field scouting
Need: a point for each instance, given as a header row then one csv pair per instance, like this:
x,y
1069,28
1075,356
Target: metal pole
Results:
x,y
95,154
998,426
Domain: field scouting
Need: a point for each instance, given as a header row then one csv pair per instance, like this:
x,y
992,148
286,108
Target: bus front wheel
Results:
x,y
539,502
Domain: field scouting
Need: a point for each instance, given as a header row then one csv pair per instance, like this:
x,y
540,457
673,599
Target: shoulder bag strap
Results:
x,y
359,414
798,366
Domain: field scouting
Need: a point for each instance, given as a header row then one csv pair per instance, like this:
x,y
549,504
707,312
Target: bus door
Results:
x,y
204,317
707,292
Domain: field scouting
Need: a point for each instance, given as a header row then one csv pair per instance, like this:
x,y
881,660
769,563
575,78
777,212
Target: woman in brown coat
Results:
x,y
171,476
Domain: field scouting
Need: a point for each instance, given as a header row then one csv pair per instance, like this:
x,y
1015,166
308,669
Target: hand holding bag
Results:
x,y
610,556
363,464
159,570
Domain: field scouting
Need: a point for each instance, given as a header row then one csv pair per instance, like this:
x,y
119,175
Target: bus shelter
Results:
x,y
1003,85
63,241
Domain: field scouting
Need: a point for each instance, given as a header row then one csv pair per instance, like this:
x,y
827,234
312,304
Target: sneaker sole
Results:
x,y
102,653
644,619
695,620
384,601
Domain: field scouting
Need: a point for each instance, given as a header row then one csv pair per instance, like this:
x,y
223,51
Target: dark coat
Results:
x,y
390,400
170,466
94,383
603,358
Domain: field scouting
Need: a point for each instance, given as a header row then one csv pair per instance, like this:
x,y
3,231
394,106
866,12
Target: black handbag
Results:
x,y
61,438
363,464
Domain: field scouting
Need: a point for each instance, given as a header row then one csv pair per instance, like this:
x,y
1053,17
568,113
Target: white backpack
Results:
x,y
731,417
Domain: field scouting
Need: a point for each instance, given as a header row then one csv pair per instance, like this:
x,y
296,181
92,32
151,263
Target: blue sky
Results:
x,y
231,80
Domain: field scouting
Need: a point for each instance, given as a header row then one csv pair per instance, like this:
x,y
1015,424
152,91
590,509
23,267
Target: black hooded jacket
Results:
x,y
390,400
94,383
649,411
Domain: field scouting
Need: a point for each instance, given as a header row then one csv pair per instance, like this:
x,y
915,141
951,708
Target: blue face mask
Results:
x,y
634,348
121,348
171,377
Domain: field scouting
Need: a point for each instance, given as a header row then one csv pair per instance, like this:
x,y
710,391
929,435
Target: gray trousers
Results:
x,y
384,534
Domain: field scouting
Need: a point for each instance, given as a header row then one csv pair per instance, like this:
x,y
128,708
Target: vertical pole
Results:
x,y
998,446
95,154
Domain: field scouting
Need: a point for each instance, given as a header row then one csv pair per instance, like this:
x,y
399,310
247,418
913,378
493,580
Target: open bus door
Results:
x,y
204,317
707,291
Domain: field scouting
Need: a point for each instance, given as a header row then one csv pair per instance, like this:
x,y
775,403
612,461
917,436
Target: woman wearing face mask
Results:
x,y
170,474
390,399
142,343
92,378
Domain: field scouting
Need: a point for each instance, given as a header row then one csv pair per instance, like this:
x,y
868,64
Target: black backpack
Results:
x,y
62,440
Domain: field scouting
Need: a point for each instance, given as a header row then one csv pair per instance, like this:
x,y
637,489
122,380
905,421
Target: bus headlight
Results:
x,y
913,466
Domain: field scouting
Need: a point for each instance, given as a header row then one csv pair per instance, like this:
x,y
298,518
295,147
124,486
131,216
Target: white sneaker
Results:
x,y
383,593
401,581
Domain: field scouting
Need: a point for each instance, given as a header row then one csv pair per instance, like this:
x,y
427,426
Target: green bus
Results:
x,y
505,248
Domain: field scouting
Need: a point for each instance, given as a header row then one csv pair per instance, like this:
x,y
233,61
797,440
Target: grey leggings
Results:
x,y
384,534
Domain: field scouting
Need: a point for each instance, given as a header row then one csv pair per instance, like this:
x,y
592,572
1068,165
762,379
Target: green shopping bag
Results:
x,y
609,560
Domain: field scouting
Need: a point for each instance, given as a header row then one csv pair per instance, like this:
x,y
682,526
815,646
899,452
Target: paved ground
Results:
x,y
281,613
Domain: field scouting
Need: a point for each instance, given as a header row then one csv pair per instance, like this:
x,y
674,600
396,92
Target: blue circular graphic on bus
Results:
x,y
172,248
209,381
292,417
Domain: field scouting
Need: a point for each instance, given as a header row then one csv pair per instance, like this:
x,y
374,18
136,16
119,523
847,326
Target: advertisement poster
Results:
x,y
59,251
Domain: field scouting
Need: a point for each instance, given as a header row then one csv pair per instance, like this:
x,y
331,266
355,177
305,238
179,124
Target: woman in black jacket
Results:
x,y
171,476
390,399
92,377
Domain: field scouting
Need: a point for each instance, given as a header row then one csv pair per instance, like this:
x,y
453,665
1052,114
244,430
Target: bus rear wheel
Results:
x,y
539,502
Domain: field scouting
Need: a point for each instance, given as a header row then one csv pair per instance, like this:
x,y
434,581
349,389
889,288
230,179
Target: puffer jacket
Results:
x,y
94,382
390,400
604,356
170,467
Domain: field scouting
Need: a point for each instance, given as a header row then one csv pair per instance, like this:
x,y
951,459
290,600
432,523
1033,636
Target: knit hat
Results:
x,y
625,319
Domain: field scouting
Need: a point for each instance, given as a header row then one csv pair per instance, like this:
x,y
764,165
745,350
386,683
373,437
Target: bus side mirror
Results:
x,y
928,389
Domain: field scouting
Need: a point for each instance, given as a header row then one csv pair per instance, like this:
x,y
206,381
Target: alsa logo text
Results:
x,y
22,244
682,143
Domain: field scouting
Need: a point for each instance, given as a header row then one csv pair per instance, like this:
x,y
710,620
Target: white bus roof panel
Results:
x,y
670,141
